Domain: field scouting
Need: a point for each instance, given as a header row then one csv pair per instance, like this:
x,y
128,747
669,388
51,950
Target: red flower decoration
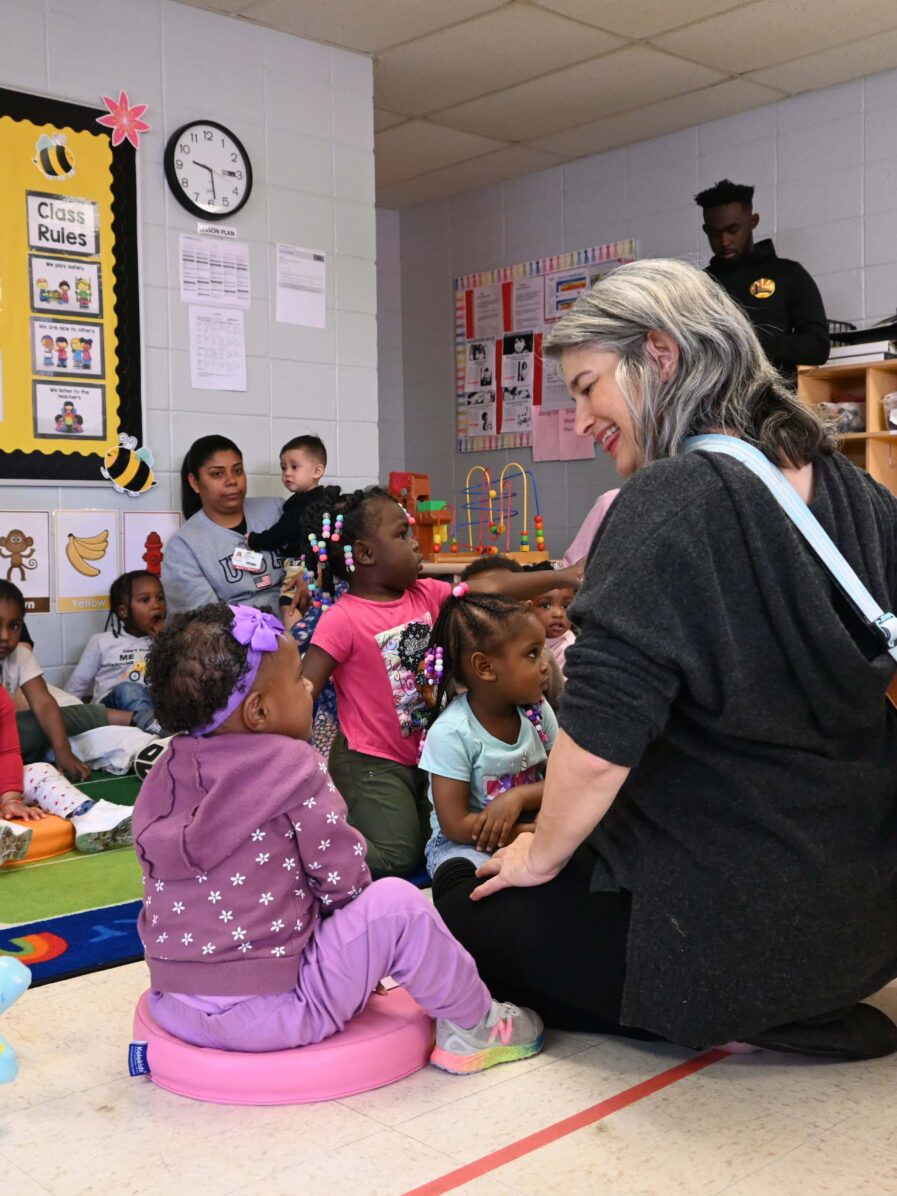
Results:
x,y
124,120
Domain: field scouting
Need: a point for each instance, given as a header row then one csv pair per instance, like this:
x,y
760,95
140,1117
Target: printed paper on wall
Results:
x,y
144,536
87,559
25,556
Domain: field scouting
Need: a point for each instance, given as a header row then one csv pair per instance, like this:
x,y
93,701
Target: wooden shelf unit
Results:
x,y
874,450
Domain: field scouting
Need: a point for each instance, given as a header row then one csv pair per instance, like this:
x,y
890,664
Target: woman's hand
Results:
x,y
511,868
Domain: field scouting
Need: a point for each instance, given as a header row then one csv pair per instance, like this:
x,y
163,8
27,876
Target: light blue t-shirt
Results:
x,y
460,747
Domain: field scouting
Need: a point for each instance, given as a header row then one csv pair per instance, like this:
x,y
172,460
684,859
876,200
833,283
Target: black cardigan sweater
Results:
x,y
757,831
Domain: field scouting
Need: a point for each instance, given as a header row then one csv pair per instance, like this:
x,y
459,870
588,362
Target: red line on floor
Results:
x,y
569,1125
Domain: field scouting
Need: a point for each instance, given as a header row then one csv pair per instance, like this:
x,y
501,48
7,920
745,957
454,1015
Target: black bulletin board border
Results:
x,y
124,291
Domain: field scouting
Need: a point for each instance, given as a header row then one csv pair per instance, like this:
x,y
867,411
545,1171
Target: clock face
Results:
x,y
208,170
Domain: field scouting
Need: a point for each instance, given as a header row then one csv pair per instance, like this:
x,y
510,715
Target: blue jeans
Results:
x,y
128,695
439,849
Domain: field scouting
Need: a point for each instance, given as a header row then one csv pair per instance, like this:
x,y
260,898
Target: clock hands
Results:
x,y
211,175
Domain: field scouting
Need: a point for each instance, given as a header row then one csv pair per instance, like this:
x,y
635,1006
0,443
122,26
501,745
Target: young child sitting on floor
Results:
x,y
494,566
486,750
245,847
551,611
45,726
32,792
372,642
112,665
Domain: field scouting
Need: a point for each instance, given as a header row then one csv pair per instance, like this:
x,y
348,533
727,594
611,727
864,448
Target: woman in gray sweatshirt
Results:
x,y
199,561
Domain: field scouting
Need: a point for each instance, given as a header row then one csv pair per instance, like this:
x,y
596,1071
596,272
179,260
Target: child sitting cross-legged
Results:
x,y
112,665
486,750
261,925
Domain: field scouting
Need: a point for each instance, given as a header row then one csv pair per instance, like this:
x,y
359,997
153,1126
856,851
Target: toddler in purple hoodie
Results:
x,y
261,925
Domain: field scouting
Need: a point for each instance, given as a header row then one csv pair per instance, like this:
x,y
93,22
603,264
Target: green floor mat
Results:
x,y
121,790
68,883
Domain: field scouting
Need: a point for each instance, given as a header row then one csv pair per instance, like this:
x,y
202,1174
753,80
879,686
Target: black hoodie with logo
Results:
x,y
782,302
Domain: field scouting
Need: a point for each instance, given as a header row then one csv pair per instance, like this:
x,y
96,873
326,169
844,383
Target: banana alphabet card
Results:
x,y
87,559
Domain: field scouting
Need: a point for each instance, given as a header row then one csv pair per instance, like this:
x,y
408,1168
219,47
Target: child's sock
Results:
x,y
101,826
49,789
15,839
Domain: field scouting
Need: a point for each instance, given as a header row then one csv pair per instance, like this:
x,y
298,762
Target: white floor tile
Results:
x,y
756,1125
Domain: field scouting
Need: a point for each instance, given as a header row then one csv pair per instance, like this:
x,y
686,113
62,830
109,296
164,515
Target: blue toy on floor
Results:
x,y
14,979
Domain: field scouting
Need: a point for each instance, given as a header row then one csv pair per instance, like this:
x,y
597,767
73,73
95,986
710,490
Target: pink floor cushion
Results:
x,y
390,1039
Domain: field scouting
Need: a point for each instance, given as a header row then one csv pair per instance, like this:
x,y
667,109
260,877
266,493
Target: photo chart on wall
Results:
x,y
69,291
505,396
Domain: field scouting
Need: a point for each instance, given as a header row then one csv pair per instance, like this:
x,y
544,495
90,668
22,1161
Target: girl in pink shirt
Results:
x,y
372,642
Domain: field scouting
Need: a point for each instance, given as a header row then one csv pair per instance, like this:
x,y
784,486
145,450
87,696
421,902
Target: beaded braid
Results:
x,y
344,516
467,622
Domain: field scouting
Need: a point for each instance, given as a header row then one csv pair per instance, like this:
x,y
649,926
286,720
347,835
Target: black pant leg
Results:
x,y
557,948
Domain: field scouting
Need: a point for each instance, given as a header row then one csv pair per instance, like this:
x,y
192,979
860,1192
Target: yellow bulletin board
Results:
x,y
69,298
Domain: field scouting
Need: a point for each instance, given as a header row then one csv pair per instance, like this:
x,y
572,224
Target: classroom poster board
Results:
x,y
69,317
501,384
87,559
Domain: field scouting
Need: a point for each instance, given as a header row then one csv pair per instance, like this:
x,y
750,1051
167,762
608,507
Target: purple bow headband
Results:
x,y
259,632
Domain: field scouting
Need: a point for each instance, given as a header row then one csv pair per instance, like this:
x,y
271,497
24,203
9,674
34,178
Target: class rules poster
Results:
x,y
69,318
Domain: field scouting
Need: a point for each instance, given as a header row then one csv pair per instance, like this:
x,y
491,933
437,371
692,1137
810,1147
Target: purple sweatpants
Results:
x,y
390,930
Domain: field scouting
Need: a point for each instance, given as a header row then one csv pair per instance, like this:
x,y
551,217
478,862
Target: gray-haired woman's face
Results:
x,y
601,411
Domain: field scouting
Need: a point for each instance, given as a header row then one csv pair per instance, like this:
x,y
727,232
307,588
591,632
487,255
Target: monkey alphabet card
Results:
x,y
25,556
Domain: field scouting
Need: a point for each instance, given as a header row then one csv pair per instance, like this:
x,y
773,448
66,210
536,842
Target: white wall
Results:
x,y
825,169
304,112
389,343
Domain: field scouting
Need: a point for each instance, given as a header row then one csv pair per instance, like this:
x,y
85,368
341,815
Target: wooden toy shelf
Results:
x,y
874,450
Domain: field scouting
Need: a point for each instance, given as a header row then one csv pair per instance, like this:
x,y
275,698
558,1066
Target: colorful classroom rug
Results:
x,y
75,913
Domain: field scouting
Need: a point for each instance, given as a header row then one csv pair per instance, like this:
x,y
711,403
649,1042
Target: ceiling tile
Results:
x,y
709,103
386,120
508,163
837,65
363,24
638,18
484,55
626,79
768,32
417,147
227,6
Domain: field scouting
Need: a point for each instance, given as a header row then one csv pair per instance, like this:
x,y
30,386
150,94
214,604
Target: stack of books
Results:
x,y
861,353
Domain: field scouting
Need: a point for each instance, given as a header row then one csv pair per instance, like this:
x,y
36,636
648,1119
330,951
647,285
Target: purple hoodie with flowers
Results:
x,y
244,844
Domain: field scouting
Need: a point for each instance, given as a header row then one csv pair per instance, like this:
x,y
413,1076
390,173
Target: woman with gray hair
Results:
x,y
716,854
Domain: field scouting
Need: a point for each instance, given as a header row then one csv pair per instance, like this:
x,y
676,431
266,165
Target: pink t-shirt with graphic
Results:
x,y
379,704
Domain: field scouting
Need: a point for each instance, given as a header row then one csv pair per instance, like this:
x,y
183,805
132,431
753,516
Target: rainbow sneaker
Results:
x,y
505,1034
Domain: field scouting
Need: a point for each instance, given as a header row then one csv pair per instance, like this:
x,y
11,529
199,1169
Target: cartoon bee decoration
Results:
x,y
52,156
128,468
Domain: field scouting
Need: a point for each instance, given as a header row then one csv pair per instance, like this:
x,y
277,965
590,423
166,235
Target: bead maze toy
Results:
x,y
490,511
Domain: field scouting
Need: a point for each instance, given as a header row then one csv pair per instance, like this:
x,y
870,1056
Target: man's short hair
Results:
x,y
313,445
725,192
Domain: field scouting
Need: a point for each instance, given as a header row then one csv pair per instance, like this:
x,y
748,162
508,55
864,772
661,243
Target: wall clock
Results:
x,y
208,169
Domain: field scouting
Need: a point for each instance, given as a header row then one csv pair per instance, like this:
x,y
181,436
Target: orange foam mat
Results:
x,y
50,836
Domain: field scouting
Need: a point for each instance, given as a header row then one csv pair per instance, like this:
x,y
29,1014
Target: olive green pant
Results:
x,y
388,803
75,719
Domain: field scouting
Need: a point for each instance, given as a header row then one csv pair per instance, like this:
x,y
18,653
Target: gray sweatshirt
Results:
x,y
197,567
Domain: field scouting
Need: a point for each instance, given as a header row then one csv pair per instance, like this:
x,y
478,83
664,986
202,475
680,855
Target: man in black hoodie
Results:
x,y
777,295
